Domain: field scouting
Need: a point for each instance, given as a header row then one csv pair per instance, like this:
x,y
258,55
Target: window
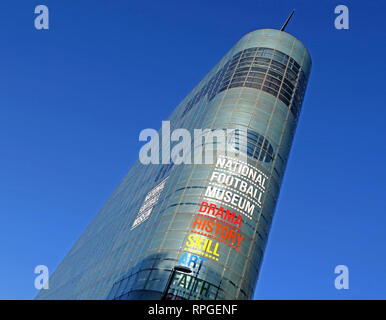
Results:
x,y
261,68
258,147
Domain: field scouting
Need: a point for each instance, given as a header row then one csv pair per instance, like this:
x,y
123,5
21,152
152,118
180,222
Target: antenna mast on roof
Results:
x,y
286,22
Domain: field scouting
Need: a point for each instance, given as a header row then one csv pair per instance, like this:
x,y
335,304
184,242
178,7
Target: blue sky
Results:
x,y
74,98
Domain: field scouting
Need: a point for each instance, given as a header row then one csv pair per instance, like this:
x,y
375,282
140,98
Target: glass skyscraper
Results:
x,y
213,219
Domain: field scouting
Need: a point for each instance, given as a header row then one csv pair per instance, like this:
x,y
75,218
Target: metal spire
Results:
x,y
288,19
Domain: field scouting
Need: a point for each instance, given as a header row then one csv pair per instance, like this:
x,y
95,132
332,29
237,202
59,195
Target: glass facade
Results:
x,y
212,218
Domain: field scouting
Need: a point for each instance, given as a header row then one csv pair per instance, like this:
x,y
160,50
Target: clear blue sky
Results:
x,y
73,100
